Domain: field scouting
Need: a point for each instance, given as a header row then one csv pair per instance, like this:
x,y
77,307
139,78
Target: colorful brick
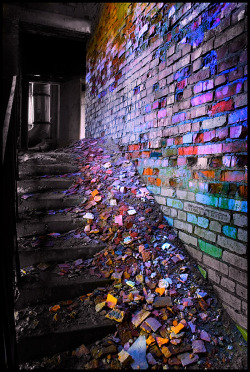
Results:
x,y
210,249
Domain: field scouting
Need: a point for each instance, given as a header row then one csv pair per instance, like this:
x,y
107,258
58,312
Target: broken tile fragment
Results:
x,y
124,357
205,336
153,323
187,358
111,301
116,315
166,352
178,328
139,317
160,302
198,346
138,353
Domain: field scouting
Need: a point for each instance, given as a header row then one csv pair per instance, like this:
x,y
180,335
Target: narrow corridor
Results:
x,y
105,281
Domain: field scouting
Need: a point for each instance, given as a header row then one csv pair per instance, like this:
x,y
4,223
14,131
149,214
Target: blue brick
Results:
x,y
155,154
203,222
188,138
206,199
230,231
192,218
237,115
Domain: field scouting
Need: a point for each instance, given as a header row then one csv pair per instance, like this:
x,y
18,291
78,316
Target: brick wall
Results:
x,y
168,81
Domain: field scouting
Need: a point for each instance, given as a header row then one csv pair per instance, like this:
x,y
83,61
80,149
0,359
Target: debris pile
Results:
x,y
166,315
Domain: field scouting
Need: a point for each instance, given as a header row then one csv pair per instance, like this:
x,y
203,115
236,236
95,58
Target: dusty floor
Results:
x,y
160,302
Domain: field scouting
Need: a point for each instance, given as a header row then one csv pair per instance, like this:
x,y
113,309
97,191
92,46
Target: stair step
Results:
x,y
47,200
65,338
40,158
30,257
52,287
43,184
45,224
28,170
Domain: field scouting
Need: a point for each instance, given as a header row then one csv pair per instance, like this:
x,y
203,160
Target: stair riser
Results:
x,y
45,294
32,186
41,204
39,346
26,229
39,170
29,258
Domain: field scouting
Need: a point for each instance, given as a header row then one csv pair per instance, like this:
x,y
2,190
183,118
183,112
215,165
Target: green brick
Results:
x,y
202,271
230,231
210,249
192,218
175,203
203,222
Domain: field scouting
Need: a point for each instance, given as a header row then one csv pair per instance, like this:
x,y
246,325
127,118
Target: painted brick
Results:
x,y
214,123
230,231
222,106
198,100
203,222
231,245
233,205
242,235
240,220
238,275
160,199
228,90
238,115
192,218
186,238
206,199
215,264
175,203
209,136
232,176
190,150
187,138
215,226
196,254
238,146
178,118
237,317
183,226
228,284
228,298
205,234
170,221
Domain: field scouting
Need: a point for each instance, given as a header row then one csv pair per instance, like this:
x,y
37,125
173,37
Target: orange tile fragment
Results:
x,y
95,192
161,291
177,328
111,301
54,308
175,322
161,341
150,340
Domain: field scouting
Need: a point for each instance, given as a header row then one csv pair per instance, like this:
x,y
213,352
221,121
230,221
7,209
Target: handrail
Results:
x,y
8,115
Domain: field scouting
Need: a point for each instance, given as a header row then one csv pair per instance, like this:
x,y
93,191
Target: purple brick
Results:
x,y
179,117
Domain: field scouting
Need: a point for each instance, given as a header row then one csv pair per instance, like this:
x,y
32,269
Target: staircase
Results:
x,y
48,237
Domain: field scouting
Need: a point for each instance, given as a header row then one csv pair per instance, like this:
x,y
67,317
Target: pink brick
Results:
x,y
181,161
170,141
209,136
222,133
162,113
207,97
210,149
198,88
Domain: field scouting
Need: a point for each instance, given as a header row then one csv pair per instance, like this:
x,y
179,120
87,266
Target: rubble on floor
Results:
x,y
166,314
